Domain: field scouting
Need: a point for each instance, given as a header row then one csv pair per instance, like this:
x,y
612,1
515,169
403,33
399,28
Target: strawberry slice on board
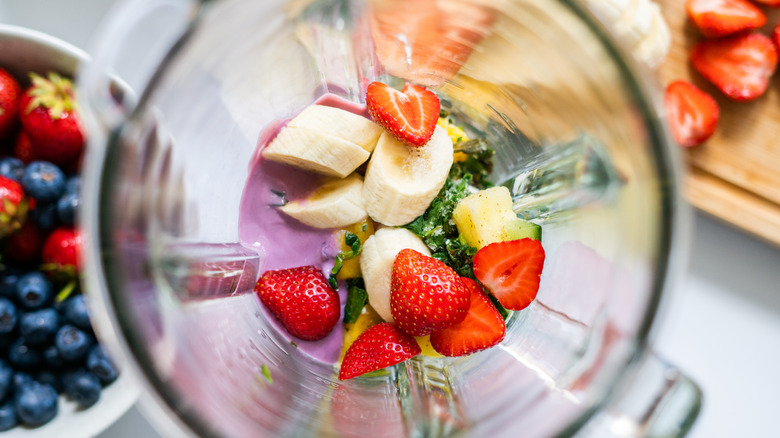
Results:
x,y
691,113
302,300
380,346
482,328
740,66
410,115
511,270
426,295
719,18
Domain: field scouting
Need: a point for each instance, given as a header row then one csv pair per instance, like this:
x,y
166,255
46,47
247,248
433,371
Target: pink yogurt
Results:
x,y
282,241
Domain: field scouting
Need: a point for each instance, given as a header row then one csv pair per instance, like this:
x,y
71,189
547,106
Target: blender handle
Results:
x,y
657,400
126,48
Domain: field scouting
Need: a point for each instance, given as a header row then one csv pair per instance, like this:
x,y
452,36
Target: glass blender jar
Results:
x,y
177,97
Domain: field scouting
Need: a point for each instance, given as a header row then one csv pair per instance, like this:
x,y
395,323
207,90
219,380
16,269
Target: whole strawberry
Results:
x,y
62,251
302,300
14,206
380,346
425,294
9,103
48,115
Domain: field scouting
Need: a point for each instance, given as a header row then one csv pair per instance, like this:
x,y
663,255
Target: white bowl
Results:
x,y
21,51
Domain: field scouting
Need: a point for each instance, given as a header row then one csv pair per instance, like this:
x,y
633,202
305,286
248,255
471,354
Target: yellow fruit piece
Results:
x,y
351,267
366,319
487,216
456,134
425,345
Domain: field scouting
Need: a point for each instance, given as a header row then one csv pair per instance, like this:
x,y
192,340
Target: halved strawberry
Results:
x,y
740,66
691,113
302,300
511,271
14,206
410,115
482,328
718,18
9,103
425,294
380,346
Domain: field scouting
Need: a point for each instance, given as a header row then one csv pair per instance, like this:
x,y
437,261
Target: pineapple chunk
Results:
x,y
425,345
351,267
367,318
456,135
486,217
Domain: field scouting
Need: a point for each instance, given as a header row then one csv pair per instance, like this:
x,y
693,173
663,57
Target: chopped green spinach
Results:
x,y
356,299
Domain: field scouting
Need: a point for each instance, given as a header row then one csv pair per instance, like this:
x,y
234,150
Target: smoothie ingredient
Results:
x,y
380,346
14,206
740,66
350,267
401,182
23,149
410,115
366,318
312,150
426,349
49,118
339,123
486,217
357,297
691,113
62,251
425,294
511,271
483,327
9,103
302,301
720,18
336,204
43,181
376,263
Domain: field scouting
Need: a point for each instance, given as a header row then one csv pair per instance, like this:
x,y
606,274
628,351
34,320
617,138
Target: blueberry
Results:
x,y
39,326
43,181
73,184
8,316
72,342
84,388
66,208
50,378
8,279
33,290
8,418
20,379
75,311
36,404
6,379
45,215
12,168
99,364
52,358
22,356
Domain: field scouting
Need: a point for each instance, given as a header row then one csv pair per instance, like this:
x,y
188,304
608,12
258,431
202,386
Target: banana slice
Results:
x,y
336,204
401,181
339,123
313,150
376,264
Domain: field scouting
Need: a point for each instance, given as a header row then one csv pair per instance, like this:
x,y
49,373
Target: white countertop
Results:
x,y
722,327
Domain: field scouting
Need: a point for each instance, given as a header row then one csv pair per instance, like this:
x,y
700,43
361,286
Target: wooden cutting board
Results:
x,y
735,175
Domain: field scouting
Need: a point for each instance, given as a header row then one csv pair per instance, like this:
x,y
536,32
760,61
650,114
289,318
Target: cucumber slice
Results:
x,y
519,229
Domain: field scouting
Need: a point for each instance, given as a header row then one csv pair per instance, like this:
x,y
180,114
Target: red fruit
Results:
x,y
49,117
24,246
302,300
511,271
62,250
691,113
410,115
718,18
771,3
9,103
482,328
23,149
380,346
13,206
740,66
425,294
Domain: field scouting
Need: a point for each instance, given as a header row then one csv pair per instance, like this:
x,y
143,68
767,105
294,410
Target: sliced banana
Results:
x,y
336,204
339,123
401,181
376,264
313,150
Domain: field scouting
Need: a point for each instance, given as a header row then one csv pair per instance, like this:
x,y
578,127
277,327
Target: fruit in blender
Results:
x,y
380,346
511,271
337,203
409,115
